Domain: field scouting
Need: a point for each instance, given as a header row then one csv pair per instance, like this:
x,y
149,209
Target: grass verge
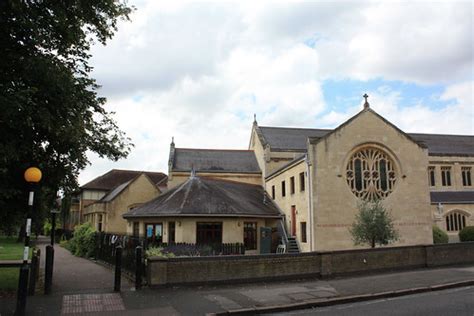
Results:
x,y
10,250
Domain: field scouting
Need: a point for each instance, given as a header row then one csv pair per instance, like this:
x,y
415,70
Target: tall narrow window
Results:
x,y
99,223
273,192
303,232
301,181
283,188
446,176
250,235
358,175
431,176
292,185
136,229
466,176
171,232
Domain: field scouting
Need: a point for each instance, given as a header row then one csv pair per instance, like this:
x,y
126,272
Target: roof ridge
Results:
x,y
136,171
211,149
428,134
300,128
97,178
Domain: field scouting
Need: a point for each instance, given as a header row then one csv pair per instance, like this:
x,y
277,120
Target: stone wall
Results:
x,y
224,269
231,268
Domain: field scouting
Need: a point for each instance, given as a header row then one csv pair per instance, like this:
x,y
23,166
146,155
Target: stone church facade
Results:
x,y
317,177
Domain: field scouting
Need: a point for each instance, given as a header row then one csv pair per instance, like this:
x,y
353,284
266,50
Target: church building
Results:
x,y
311,182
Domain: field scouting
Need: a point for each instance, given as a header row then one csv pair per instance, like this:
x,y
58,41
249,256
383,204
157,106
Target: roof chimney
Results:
x,y
171,158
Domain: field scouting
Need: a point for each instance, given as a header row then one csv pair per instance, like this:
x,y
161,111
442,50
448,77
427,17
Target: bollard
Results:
x,y
48,269
118,268
138,267
22,290
33,272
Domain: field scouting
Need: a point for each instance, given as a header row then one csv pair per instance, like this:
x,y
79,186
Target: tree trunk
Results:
x,y
21,234
373,243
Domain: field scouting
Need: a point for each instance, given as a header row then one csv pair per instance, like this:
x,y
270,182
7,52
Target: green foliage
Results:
x,y
82,244
51,114
158,252
47,228
467,234
439,236
65,244
373,225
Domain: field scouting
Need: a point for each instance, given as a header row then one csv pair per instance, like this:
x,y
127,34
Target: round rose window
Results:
x,y
371,174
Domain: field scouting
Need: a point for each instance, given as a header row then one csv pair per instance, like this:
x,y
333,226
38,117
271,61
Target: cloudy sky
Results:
x,y
199,71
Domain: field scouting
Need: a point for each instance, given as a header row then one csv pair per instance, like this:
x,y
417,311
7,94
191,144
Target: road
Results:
x,y
459,301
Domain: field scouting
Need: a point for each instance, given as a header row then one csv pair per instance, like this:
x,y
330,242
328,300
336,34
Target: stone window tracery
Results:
x,y
455,221
370,174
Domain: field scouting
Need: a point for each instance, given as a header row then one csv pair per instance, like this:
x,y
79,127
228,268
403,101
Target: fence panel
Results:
x,y
106,244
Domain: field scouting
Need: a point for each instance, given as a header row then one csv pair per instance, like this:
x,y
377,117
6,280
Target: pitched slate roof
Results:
x,y
294,139
116,177
452,197
215,160
113,194
210,198
438,144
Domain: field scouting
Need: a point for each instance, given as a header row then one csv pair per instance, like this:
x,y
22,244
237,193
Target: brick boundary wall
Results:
x,y
224,269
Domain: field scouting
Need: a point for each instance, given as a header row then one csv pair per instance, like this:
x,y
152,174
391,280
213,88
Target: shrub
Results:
x,y
439,236
47,228
82,244
158,252
467,234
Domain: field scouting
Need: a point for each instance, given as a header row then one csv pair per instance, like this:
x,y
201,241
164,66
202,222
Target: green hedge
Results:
x,y
467,234
82,244
439,236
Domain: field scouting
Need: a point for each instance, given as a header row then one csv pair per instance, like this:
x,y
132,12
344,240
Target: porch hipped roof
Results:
x,y
210,198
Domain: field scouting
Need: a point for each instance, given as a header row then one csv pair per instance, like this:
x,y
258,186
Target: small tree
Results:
x,y
373,225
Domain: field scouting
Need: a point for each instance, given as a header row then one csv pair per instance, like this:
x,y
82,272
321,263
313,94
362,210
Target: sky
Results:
x,y
198,71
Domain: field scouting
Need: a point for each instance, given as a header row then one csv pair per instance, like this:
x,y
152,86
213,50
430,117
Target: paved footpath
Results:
x,y
84,287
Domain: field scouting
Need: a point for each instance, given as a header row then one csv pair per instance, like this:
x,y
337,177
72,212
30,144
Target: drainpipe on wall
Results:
x,y
310,202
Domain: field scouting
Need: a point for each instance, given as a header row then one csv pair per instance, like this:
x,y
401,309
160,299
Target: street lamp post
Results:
x,y
32,176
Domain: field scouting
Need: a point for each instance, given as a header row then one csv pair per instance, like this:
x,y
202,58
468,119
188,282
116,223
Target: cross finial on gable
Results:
x,y
366,104
254,119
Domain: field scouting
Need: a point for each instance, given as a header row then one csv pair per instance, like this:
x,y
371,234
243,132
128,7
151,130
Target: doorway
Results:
x,y
293,220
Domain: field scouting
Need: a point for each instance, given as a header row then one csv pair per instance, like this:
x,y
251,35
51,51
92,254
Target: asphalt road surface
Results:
x,y
459,301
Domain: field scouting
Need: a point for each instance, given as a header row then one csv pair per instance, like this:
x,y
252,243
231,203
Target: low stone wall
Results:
x,y
231,268
354,261
199,270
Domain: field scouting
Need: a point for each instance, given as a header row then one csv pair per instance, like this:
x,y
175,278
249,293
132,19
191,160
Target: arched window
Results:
x,y
455,221
370,174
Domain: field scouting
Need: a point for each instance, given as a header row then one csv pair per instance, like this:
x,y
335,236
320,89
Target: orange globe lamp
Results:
x,y
33,175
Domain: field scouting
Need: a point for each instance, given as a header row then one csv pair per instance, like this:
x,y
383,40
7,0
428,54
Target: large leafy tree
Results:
x,y
373,225
51,115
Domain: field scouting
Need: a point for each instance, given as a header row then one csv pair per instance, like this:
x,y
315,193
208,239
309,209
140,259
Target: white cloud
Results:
x,y
198,71
455,118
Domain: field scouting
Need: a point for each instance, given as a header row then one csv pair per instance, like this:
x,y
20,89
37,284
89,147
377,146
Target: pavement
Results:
x,y
81,286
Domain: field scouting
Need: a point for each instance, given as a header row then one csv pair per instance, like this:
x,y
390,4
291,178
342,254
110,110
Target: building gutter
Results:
x,y
310,203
